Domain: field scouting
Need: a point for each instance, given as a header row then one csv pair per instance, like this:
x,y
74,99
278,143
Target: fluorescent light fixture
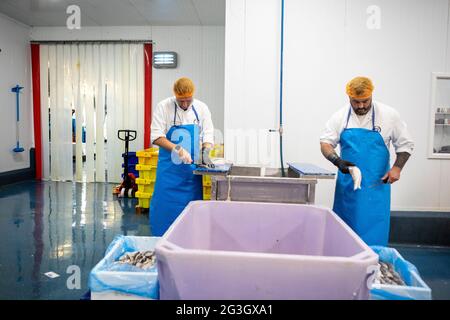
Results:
x,y
165,59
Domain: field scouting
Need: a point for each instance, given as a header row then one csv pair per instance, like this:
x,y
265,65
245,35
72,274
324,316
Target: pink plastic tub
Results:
x,y
248,250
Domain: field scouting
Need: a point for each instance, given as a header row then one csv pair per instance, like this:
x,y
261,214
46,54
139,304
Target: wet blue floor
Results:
x,y
51,226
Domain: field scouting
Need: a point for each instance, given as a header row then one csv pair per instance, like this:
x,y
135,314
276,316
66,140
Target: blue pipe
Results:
x,y
16,90
281,88
17,106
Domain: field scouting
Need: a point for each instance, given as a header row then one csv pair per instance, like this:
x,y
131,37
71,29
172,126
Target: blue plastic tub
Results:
x,y
109,281
415,289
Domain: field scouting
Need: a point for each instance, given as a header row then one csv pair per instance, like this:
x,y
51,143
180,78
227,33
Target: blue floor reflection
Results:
x,y
433,264
50,226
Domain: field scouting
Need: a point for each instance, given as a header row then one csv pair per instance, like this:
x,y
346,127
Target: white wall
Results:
x,y
200,51
327,43
251,80
15,68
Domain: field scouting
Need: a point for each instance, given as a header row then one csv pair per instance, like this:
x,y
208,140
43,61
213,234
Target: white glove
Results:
x,y
356,176
184,156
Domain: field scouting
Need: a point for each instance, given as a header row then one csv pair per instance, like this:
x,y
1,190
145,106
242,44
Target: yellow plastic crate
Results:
x,y
147,172
144,203
143,195
147,153
153,161
145,167
143,160
149,175
206,181
146,188
148,156
206,193
144,181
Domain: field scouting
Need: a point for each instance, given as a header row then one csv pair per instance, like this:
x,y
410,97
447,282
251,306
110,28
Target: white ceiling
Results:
x,y
117,12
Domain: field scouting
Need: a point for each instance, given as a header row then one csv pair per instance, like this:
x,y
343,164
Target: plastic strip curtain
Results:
x,y
65,116
76,69
113,152
56,102
124,102
100,90
104,85
87,104
45,104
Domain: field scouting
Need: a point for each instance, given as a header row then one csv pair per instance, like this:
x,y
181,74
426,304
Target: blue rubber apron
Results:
x,y
366,210
175,184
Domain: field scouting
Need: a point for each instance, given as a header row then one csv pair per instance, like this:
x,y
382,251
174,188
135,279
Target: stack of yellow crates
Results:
x,y
206,187
216,152
147,162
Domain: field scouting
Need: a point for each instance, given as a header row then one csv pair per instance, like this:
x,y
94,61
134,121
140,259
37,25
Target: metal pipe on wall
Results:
x,y
280,130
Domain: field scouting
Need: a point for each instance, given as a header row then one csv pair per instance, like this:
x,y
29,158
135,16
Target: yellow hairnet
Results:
x,y
359,88
183,88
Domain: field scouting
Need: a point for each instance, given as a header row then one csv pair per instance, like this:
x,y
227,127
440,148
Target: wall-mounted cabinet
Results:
x,y
439,137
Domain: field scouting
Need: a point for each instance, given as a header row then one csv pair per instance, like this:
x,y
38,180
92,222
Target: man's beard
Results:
x,y
185,108
362,111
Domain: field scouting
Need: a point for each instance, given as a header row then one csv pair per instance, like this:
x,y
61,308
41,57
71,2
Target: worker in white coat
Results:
x,y
364,129
177,122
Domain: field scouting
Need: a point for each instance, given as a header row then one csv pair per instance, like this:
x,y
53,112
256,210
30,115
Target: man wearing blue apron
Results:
x,y
364,130
178,125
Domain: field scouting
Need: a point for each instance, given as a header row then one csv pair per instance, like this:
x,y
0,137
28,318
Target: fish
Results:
x,y
388,275
143,260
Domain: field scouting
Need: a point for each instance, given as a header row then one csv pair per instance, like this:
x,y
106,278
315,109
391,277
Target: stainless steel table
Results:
x,y
258,184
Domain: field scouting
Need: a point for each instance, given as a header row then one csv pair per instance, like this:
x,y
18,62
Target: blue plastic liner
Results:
x,y
108,275
415,289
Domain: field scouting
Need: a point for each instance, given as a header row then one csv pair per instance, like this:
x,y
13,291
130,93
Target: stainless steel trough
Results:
x,y
258,184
